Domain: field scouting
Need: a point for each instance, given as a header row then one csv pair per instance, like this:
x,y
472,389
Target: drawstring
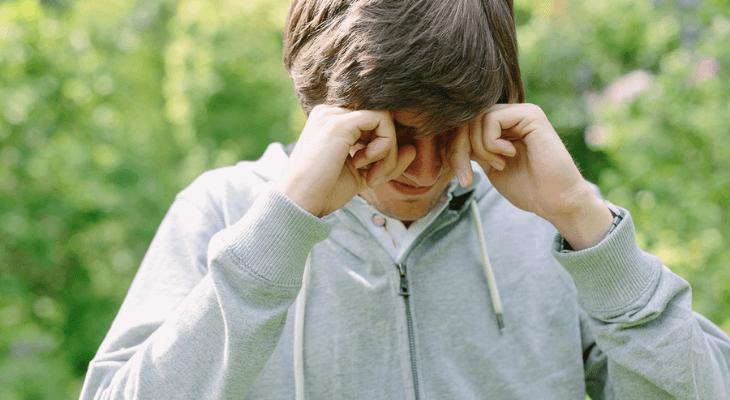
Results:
x,y
299,333
301,303
493,291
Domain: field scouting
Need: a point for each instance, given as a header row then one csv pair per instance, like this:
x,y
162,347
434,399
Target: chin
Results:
x,y
402,207
404,210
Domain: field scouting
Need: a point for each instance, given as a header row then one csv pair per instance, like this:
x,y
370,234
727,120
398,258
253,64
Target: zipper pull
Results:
x,y
403,281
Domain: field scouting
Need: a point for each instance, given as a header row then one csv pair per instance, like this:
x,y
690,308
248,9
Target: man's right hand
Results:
x,y
339,154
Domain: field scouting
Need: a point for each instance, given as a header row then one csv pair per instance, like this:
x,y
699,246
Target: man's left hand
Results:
x,y
529,165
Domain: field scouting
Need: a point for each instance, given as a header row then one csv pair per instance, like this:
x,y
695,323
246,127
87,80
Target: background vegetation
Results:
x,y
109,108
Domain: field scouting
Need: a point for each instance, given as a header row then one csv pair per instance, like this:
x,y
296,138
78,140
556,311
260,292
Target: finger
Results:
x,y
377,133
476,137
490,165
379,123
383,167
493,131
479,148
499,106
458,156
374,151
384,149
360,144
405,156
520,119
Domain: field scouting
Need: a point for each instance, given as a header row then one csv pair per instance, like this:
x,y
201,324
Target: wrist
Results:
x,y
299,195
586,224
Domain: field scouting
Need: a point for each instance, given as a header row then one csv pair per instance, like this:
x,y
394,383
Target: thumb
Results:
x,y
458,156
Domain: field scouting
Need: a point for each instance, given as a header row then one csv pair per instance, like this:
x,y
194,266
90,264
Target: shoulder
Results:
x,y
230,191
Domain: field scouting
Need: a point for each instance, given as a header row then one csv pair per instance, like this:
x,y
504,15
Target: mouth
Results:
x,y
409,190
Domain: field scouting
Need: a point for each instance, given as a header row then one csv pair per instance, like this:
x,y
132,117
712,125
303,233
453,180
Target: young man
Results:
x,y
452,248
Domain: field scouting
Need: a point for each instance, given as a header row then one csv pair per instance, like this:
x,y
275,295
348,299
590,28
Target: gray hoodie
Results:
x,y
211,313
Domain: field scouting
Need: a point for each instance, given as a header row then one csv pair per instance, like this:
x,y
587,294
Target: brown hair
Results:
x,y
448,60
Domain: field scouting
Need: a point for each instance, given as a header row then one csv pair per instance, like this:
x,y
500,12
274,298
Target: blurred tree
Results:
x,y
639,92
108,109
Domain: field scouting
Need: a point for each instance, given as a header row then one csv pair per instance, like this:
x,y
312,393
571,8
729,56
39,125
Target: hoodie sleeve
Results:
x,y
649,344
207,306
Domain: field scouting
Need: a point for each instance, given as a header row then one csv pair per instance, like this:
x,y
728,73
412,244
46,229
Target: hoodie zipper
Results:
x,y
409,321
405,292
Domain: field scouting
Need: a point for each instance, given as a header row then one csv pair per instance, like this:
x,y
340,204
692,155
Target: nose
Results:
x,y
426,167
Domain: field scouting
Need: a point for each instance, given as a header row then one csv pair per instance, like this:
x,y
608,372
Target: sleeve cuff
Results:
x,y
274,237
613,273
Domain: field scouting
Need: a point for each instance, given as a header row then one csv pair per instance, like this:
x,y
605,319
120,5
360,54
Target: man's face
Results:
x,y
415,192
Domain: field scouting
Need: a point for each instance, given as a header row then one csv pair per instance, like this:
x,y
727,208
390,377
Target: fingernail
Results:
x,y
462,178
495,165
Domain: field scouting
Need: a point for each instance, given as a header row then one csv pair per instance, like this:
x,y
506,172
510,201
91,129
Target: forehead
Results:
x,y
409,118
420,123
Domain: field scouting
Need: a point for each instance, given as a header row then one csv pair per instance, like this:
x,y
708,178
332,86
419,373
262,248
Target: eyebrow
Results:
x,y
443,134
405,129
401,125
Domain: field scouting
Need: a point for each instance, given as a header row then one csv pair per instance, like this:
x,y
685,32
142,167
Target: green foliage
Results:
x,y
108,109
672,168
639,92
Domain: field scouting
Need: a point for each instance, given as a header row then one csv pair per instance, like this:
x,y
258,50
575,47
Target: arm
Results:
x,y
637,311
190,331
204,329
641,317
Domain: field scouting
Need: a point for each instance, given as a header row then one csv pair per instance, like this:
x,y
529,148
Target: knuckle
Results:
x,y
498,147
319,110
488,120
534,109
457,148
480,152
333,126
